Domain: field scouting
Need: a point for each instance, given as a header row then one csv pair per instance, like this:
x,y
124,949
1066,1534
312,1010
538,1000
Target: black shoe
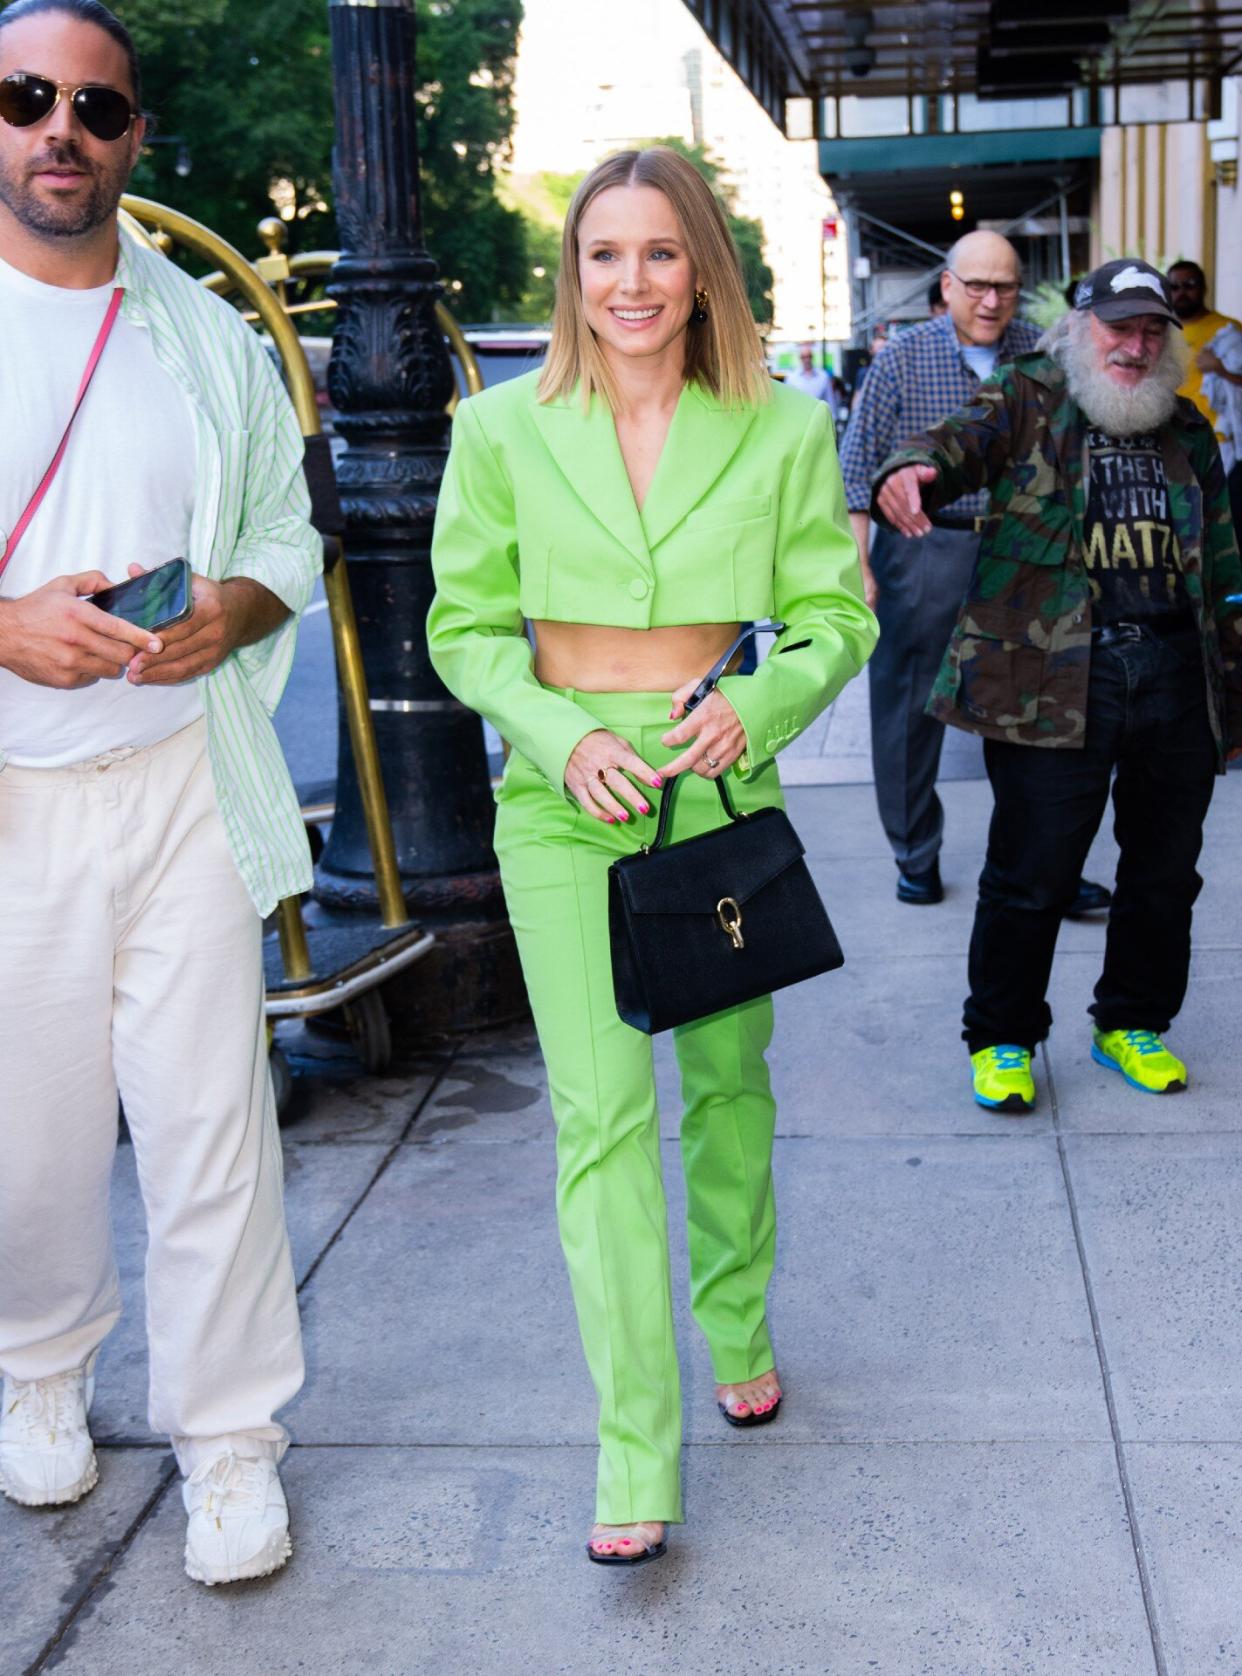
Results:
x,y
924,888
1091,899
752,1419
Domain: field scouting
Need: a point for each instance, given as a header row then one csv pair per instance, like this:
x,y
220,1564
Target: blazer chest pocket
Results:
x,y
728,514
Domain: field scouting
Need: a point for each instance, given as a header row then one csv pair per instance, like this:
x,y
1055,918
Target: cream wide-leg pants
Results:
x,y
130,960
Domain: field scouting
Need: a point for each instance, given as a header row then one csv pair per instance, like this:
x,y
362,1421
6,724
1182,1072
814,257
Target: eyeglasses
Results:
x,y
103,111
977,289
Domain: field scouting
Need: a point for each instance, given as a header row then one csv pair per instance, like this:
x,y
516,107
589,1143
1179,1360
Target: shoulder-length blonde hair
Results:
x,y
724,353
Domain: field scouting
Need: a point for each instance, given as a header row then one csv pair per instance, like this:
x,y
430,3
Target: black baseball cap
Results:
x,y
1122,289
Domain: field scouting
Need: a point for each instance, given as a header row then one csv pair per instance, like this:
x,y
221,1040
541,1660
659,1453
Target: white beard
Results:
x,y
1109,406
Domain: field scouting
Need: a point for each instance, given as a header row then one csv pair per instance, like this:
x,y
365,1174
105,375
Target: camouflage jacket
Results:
x,y
1018,661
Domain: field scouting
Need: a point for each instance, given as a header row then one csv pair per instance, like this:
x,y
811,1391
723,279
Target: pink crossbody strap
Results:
x,y
36,500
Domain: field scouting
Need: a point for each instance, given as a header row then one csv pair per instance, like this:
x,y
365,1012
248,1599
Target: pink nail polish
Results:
x,y
643,809
657,782
610,819
625,817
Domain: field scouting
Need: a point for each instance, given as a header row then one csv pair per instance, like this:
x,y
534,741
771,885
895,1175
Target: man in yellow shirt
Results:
x,y
1200,324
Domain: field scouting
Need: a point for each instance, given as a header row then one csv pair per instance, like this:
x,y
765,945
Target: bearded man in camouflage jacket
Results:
x,y
1102,631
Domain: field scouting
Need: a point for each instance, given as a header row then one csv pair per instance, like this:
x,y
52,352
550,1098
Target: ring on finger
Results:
x,y
712,762
601,774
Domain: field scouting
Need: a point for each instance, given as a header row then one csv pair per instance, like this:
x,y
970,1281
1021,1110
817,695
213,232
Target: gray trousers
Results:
x,y
921,583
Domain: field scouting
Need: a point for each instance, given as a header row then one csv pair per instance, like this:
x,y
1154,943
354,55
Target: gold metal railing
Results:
x,y
282,272
148,221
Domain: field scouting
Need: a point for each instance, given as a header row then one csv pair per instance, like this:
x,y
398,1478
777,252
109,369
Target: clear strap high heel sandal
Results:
x,y
753,1418
639,1535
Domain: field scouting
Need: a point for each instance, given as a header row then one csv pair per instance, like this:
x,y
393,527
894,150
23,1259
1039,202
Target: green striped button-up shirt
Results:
x,y
251,518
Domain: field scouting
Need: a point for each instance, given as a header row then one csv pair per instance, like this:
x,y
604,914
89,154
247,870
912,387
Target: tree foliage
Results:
x,y
467,52
542,200
244,88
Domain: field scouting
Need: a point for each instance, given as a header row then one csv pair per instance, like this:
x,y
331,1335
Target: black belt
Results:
x,y
1164,628
970,526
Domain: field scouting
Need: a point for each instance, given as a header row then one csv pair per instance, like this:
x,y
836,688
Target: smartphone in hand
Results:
x,y
156,600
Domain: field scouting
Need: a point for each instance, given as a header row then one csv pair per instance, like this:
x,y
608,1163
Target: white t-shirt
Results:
x,y
982,358
124,494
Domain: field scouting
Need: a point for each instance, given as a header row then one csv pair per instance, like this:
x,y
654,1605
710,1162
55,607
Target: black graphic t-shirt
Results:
x,y
1132,557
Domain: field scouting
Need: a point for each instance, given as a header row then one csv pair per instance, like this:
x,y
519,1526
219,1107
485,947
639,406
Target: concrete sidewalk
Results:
x,y
1012,1353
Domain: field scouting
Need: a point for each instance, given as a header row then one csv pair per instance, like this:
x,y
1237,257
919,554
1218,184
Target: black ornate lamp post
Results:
x,y
389,379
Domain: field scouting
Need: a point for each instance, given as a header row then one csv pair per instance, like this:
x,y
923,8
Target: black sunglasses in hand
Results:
x,y
104,112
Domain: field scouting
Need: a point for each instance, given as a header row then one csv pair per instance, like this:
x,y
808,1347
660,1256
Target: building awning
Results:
x,y
1104,61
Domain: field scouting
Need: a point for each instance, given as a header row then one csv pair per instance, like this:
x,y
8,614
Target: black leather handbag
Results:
x,y
714,921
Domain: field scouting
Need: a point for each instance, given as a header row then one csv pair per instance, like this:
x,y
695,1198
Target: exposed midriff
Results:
x,y
595,658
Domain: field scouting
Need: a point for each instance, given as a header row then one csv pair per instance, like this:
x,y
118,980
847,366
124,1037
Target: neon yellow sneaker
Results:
x,y
1002,1078
1142,1059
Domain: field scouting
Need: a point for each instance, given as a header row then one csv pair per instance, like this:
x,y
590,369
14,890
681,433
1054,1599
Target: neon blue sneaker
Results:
x,y
1002,1078
1142,1059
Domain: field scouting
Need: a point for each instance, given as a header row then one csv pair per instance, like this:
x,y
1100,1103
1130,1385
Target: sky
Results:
x,y
571,51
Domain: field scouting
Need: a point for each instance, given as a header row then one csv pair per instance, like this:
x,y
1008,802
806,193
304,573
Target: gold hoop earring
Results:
x,y
700,308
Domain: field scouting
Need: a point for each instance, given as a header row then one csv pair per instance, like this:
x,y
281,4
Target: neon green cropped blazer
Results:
x,y
745,518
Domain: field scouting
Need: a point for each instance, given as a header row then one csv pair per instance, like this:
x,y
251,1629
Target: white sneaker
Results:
x,y
239,1519
46,1453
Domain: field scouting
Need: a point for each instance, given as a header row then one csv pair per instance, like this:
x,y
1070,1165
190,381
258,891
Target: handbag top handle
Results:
x,y
666,809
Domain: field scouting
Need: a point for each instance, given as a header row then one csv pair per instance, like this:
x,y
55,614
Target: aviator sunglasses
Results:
x,y
103,111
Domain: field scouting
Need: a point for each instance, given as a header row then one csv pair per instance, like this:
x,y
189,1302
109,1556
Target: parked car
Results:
x,y
505,352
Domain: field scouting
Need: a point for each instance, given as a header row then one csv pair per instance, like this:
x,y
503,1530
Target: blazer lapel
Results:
x,y
588,456
702,439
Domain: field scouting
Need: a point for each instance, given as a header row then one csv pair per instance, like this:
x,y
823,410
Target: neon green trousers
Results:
x,y
554,861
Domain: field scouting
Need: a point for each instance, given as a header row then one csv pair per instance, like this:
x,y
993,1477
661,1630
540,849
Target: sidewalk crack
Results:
x,y
48,1655
381,1168
100,1580
1106,1377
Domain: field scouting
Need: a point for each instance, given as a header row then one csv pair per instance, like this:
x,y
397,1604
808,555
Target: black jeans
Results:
x,y
1147,718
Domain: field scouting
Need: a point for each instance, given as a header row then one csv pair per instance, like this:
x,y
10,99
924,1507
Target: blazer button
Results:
x,y
639,589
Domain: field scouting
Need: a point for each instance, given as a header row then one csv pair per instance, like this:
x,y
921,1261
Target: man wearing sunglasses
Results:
x,y
1213,379
1200,325
147,820
915,587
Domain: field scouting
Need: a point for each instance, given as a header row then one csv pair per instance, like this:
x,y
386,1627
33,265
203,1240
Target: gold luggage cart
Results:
x,y
316,960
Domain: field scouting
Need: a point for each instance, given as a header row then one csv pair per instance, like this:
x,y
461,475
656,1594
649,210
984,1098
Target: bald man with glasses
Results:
x,y
915,586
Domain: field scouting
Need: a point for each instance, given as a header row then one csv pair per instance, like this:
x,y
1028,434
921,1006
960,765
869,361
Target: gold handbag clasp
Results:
x,y
730,917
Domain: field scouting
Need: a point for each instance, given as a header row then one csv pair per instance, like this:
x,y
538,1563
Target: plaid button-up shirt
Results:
x,y
913,384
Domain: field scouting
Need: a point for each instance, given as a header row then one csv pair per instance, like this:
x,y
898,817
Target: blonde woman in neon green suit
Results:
x,y
634,502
